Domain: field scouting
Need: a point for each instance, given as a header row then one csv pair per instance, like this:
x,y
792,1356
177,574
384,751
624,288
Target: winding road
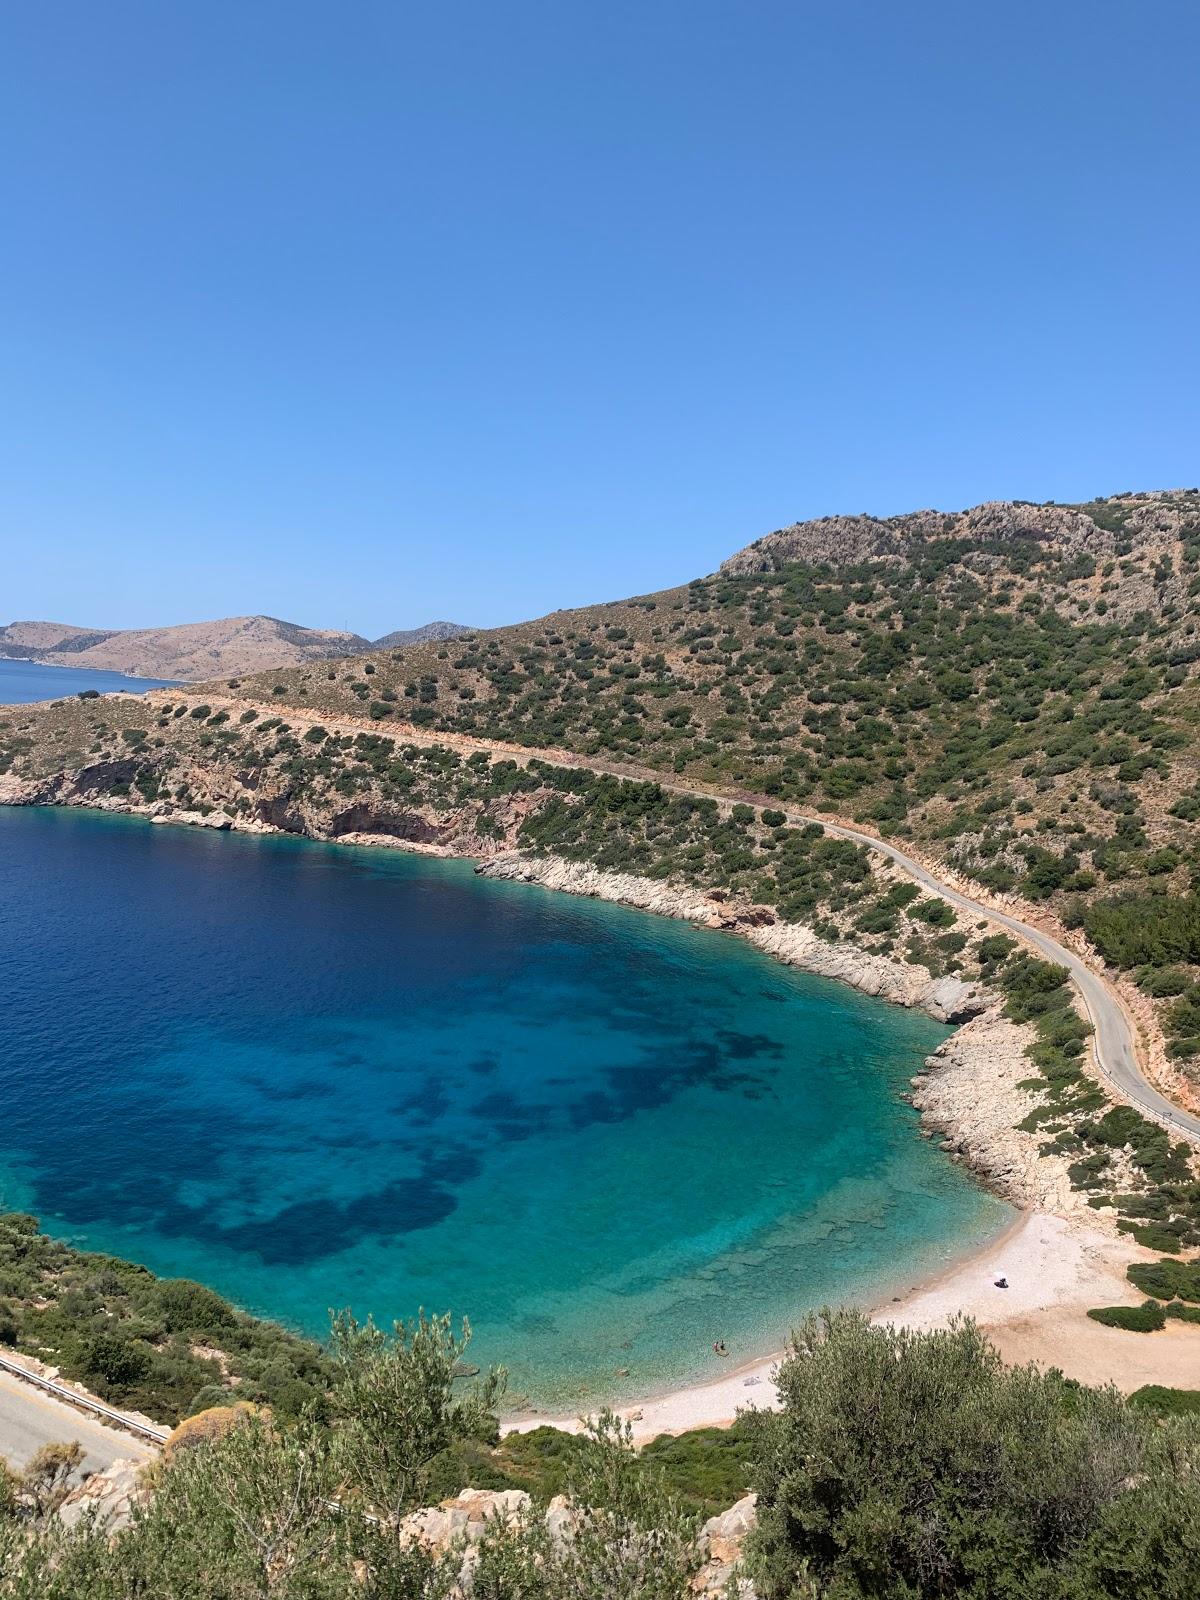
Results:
x,y
1113,1051
29,1419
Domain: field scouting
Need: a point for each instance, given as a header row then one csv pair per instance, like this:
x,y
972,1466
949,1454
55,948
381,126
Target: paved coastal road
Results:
x,y
29,1419
1113,1049
1112,1043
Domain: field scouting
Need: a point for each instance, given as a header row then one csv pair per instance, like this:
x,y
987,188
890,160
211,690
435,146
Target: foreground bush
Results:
x,y
914,1465
903,1466
263,1511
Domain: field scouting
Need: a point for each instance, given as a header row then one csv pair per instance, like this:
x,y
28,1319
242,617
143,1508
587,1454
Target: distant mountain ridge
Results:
x,y
194,651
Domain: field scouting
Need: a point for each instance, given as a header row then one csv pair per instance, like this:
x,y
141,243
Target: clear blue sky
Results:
x,y
362,313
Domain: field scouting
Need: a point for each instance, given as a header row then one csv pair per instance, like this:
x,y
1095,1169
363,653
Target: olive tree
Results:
x,y
920,1465
626,1537
399,1404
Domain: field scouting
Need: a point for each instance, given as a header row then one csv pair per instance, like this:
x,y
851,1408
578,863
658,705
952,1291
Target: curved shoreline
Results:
x,y
1114,1048
1060,1256
1056,1270
963,1084
715,1401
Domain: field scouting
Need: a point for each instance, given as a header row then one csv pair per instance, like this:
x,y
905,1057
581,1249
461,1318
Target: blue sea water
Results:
x,y
22,682
315,1077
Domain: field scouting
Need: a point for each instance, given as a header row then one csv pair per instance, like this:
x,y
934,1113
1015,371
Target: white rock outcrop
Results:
x,y
108,1497
970,1091
948,999
722,1540
461,1521
464,1516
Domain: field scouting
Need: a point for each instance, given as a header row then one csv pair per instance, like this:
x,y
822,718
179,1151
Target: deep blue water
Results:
x,y
24,681
315,1076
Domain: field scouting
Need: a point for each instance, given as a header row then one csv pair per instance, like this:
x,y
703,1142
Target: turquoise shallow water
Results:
x,y
315,1077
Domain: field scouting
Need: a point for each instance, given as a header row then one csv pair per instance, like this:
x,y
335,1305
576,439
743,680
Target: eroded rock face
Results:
x,y
461,1521
1148,523
836,541
970,1091
108,1496
951,1000
464,1516
846,541
722,1542
408,825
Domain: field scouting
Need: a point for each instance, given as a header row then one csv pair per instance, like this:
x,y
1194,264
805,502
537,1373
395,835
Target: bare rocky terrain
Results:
x,y
189,651
193,651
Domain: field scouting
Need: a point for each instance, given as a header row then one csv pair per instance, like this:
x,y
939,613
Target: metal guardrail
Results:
x,y
61,1391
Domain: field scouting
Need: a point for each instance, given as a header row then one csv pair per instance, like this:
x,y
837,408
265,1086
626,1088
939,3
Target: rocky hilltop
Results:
x,y
1149,523
189,651
429,633
36,640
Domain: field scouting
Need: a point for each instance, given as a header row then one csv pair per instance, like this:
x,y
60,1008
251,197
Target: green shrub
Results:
x,y
1147,930
212,1394
114,1359
1152,1235
189,1307
1163,1402
937,913
708,1468
1163,982
920,1466
1167,1280
1146,1318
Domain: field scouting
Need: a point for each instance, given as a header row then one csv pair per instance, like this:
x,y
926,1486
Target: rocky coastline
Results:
x,y
947,999
971,1096
969,1092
